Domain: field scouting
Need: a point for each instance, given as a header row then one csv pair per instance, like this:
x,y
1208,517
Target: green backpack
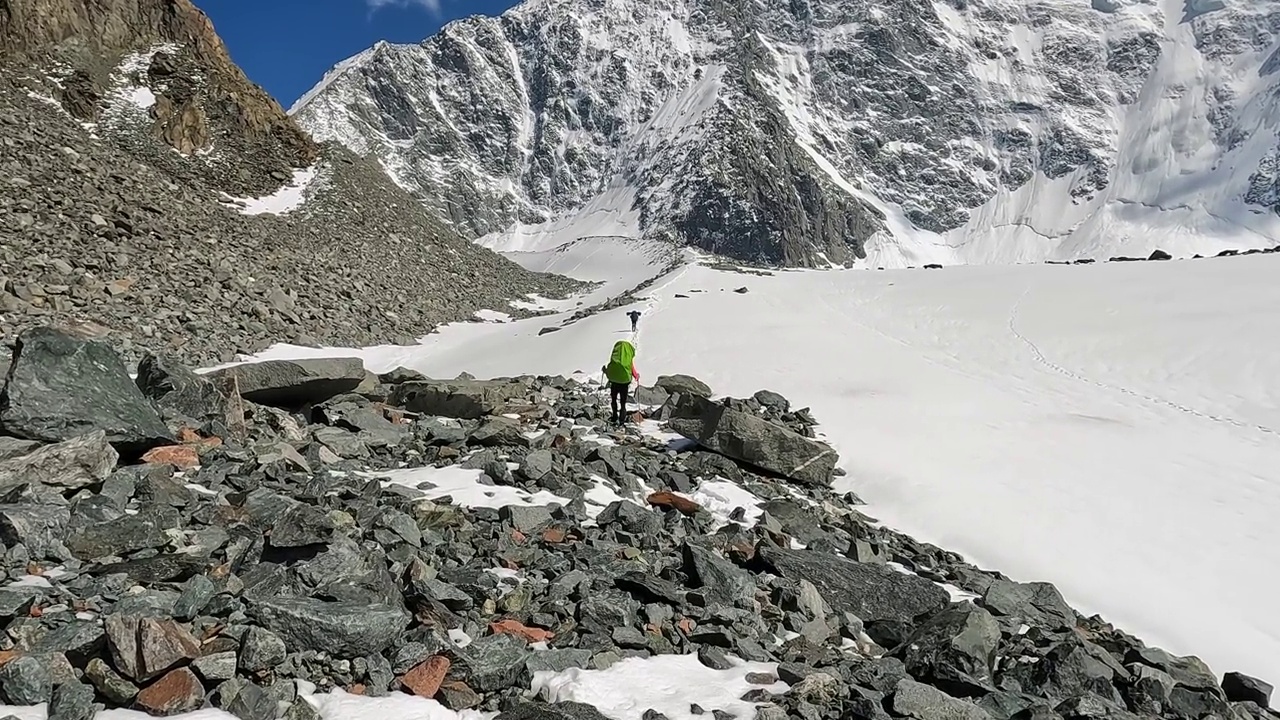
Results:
x,y
619,368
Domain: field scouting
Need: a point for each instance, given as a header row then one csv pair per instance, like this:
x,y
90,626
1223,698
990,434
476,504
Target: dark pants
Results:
x,y
618,400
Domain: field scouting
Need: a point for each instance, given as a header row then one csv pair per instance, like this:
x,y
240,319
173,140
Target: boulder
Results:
x,y
342,629
683,385
292,383
718,578
69,465
1036,604
873,592
461,399
40,528
755,441
954,650
1243,688
123,535
61,387
175,387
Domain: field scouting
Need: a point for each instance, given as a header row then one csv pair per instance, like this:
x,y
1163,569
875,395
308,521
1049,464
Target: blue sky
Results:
x,y
287,45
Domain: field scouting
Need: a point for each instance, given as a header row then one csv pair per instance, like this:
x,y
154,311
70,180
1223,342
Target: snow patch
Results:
x,y
462,487
289,197
669,684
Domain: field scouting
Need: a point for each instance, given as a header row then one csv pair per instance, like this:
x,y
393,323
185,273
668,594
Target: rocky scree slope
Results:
x,y
808,132
111,222
183,547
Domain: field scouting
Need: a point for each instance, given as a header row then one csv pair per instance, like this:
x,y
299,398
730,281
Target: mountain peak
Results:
x,y
942,132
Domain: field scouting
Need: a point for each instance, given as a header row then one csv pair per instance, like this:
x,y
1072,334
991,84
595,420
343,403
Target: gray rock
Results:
x,y
499,432
819,688
17,601
245,700
872,592
1243,688
73,464
216,666
921,702
292,383
110,684
717,577
954,649
11,447
261,650
526,517
462,399
61,387
537,465
683,385
343,629
343,443
1036,604
555,711
772,400
118,537
301,524
195,596
174,387
25,681
71,701
1189,671
40,528
78,640
755,441
558,660
492,663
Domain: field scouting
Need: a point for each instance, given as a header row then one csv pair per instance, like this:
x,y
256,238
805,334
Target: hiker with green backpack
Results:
x,y
620,371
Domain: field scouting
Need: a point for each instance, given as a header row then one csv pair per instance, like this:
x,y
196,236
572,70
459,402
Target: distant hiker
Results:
x,y
620,371
635,318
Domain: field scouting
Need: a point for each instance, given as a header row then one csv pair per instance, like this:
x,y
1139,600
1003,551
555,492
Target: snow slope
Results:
x,y
1114,428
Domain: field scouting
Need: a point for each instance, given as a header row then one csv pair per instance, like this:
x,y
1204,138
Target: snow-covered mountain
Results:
x,y
806,132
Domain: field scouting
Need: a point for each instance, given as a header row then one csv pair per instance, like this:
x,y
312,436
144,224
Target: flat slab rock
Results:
x,y
870,591
753,440
342,629
61,387
292,383
461,399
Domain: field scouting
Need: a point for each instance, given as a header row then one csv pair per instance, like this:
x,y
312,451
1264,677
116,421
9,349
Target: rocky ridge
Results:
x,y
107,226
180,543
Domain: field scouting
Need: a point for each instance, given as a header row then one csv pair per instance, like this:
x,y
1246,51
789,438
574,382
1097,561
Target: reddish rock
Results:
x,y
518,536
670,500
554,535
357,689
179,456
178,692
686,625
518,629
424,680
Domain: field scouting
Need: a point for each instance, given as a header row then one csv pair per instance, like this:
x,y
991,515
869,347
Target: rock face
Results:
x,y
278,562
187,116
140,201
795,132
751,439
60,387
